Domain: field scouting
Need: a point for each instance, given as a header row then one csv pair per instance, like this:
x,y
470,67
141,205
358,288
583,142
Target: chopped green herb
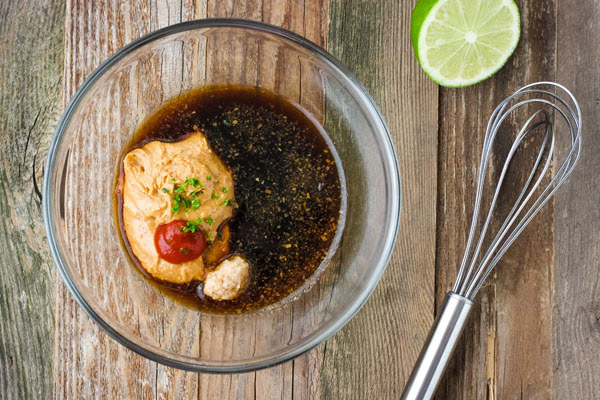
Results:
x,y
165,190
193,182
226,123
224,189
228,203
184,250
172,180
186,199
209,220
191,226
215,196
208,178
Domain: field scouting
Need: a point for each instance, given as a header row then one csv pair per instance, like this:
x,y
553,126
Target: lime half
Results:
x,y
463,42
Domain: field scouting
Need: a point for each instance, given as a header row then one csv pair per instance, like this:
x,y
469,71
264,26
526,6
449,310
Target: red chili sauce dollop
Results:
x,y
176,246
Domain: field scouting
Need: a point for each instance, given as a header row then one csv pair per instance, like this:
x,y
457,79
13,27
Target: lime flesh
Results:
x,y
462,42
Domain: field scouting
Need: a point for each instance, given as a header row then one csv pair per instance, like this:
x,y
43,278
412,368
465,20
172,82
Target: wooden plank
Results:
x,y
373,355
506,349
30,104
298,378
576,318
91,363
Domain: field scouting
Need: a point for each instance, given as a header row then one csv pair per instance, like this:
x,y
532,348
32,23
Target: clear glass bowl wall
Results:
x,y
79,193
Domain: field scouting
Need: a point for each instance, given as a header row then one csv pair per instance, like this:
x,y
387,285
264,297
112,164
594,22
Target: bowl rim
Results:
x,y
388,152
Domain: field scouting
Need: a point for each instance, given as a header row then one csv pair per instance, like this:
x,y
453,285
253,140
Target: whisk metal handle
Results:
x,y
438,348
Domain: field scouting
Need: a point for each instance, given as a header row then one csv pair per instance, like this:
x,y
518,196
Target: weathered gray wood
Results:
x,y
91,363
300,377
508,342
31,35
576,318
373,355
506,349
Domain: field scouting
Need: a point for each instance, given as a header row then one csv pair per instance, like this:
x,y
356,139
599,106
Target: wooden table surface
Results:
x,y
535,332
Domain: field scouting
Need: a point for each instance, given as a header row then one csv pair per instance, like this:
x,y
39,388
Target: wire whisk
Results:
x,y
552,100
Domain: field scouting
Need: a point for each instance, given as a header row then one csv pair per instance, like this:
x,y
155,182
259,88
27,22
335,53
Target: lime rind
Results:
x,y
439,35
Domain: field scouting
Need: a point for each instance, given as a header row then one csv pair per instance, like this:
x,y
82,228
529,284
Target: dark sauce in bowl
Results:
x,y
288,186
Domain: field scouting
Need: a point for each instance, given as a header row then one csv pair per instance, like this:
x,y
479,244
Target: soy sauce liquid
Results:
x,y
287,185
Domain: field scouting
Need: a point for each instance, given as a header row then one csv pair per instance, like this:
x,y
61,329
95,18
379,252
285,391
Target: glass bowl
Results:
x,y
82,166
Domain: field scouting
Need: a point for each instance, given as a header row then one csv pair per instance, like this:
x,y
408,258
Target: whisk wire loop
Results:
x,y
475,267
518,206
513,214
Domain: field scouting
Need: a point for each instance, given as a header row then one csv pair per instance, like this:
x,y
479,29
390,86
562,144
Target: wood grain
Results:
x,y
535,330
373,355
30,104
298,378
576,317
91,364
88,363
506,349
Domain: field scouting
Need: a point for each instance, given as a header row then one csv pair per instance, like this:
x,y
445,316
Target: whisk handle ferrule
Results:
x,y
438,348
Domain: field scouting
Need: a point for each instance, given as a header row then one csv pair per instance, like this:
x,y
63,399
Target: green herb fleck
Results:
x,y
208,178
172,180
209,220
184,250
226,123
195,204
179,189
165,190
194,182
175,208
215,196
191,226
224,189
186,203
